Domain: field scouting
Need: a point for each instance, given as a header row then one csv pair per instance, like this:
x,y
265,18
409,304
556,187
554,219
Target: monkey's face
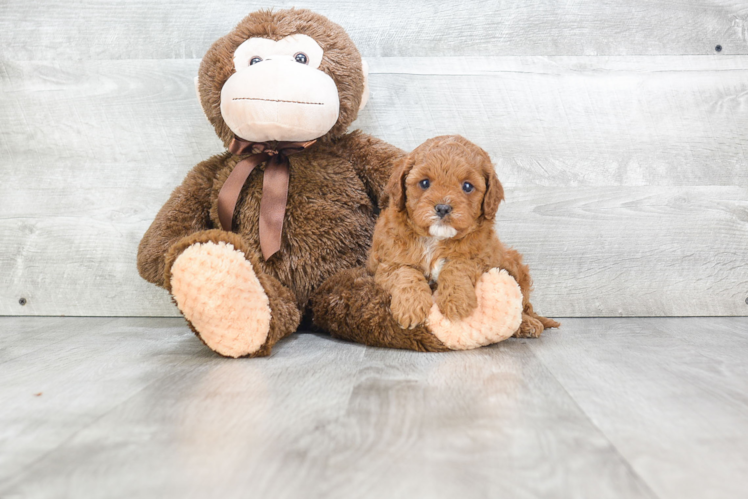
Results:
x,y
278,92
286,75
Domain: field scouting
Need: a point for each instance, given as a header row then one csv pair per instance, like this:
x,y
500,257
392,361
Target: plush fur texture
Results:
x,y
341,61
496,317
328,225
285,315
218,292
415,249
334,189
351,306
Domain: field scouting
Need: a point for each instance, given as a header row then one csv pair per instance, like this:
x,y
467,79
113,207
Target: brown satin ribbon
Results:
x,y
274,187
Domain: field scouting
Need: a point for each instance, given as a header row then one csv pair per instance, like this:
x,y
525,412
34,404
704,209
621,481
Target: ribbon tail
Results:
x,y
231,189
273,205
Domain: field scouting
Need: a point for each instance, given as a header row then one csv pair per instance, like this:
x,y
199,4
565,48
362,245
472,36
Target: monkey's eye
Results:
x,y
467,187
424,184
301,58
255,60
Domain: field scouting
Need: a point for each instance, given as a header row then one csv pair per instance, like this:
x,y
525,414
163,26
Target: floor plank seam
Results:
x,y
625,460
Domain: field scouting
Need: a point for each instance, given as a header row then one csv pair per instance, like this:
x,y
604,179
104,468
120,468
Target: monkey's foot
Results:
x,y
218,292
497,317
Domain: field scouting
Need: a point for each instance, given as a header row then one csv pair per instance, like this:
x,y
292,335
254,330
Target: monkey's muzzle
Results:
x,y
280,101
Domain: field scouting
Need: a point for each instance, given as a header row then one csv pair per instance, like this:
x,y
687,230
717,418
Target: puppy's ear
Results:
x,y
494,193
395,190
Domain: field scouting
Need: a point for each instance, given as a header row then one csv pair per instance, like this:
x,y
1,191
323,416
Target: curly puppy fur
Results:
x,y
438,232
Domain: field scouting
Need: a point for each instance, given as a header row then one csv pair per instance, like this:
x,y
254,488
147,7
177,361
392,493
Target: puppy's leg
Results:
x,y
532,323
410,293
455,295
530,327
546,322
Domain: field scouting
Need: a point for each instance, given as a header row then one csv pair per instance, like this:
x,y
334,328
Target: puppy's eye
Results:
x,y
467,187
301,58
424,184
255,60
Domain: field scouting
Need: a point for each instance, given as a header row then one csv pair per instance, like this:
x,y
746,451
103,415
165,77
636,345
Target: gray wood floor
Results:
x,y
137,407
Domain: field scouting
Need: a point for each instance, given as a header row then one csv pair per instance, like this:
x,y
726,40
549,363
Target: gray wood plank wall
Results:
x,y
617,129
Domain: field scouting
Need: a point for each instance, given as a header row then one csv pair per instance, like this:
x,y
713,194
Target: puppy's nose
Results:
x,y
442,210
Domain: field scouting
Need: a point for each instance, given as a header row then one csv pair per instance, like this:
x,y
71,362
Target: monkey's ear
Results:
x,y
365,94
394,192
494,193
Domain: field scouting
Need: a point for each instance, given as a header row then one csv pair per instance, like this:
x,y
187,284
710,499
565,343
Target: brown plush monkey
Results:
x,y
277,228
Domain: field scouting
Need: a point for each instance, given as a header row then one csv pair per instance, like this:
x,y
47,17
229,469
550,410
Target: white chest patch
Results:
x,y
431,270
429,246
436,269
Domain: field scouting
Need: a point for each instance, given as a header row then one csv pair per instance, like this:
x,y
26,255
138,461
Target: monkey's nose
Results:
x,y
442,210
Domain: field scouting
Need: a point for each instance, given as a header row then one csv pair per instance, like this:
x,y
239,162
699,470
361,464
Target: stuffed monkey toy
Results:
x,y
275,230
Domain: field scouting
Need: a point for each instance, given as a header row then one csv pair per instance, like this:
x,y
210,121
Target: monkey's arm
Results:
x,y
186,212
373,159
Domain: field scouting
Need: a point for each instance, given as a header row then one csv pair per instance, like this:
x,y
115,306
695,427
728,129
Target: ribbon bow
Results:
x,y
274,187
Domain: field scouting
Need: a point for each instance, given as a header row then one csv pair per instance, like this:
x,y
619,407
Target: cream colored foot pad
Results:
x,y
217,290
497,317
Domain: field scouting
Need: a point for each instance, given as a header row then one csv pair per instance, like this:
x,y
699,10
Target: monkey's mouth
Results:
x,y
277,100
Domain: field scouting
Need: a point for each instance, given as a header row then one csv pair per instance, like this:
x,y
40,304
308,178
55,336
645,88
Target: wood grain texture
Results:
x,y
670,394
625,176
632,251
99,29
138,407
90,154
489,423
571,121
52,388
320,418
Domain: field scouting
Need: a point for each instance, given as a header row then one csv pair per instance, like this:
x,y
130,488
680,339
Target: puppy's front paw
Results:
x,y
410,308
457,303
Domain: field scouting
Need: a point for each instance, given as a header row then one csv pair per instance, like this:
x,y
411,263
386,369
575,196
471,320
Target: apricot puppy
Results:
x,y
437,234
